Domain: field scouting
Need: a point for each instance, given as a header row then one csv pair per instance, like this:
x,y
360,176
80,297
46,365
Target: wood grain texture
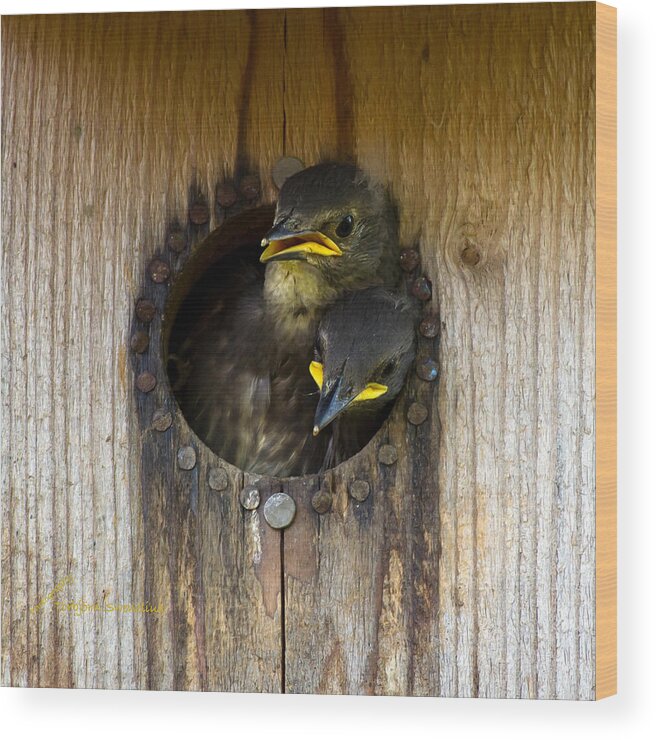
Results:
x,y
606,352
470,568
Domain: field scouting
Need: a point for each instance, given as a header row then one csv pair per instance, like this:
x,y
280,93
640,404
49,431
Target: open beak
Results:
x,y
283,244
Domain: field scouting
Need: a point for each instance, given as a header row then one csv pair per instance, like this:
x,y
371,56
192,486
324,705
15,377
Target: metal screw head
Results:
x,y
409,259
217,479
387,455
417,414
279,510
226,195
162,420
322,501
430,326
146,382
360,489
187,457
249,497
199,213
139,342
176,241
427,369
422,288
284,168
145,310
249,186
159,271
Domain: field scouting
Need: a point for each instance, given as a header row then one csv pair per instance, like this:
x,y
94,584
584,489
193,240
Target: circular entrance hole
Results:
x,y
253,410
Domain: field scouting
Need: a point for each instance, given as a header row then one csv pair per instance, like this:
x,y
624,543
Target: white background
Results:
x,y
55,713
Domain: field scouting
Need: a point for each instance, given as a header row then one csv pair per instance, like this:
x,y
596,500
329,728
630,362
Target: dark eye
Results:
x,y
389,368
345,226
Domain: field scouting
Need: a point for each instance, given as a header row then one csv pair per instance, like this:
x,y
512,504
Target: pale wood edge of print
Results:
x,y
606,351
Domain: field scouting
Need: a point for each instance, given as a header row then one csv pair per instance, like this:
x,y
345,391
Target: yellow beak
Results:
x,y
313,242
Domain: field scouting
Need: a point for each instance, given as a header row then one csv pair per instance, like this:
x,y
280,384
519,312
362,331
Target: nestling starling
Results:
x,y
365,345
246,390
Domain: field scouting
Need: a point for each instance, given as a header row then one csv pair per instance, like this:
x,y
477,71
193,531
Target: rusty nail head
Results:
x,y
360,489
177,241
422,288
322,501
162,420
159,271
417,413
427,369
430,326
187,457
145,310
279,510
199,213
146,382
409,259
387,455
226,195
249,497
217,479
139,342
250,186
284,168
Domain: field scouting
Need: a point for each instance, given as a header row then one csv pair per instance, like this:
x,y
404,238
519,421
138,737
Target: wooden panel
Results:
x,y
470,568
109,122
476,577
606,352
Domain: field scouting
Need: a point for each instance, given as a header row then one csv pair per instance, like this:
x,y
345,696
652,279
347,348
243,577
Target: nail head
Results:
x,y
159,271
199,213
187,457
279,510
360,489
177,241
249,497
284,168
422,288
250,186
139,342
387,455
145,310
427,369
217,479
226,195
162,420
409,259
322,501
146,382
417,414
430,326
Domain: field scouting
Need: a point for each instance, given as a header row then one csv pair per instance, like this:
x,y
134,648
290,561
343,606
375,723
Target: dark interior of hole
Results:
x,y
202,295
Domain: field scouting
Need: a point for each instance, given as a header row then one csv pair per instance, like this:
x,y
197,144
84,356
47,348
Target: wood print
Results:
x,y
227,233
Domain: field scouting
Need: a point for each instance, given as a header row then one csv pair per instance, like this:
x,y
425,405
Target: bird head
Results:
x,y
333,219
365,345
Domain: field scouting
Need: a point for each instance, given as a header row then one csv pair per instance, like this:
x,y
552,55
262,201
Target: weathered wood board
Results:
x,y
470,569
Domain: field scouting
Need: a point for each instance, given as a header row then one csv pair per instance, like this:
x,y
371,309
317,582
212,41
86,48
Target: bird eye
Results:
x,y
389,368
345,226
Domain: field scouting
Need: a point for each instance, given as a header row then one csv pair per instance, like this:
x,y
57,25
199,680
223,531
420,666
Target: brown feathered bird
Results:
x,y
365,345
246,390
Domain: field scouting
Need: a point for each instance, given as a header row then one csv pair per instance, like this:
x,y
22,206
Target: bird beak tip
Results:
x,y
264,242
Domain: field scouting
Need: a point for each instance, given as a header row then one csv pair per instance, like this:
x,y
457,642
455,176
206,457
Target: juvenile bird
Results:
x,y
365,345
246,391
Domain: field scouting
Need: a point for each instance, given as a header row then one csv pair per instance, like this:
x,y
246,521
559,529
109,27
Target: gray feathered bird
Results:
x,y
246,390
364,348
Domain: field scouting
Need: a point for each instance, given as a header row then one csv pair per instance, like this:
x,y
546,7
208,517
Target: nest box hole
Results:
x,y
215,354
